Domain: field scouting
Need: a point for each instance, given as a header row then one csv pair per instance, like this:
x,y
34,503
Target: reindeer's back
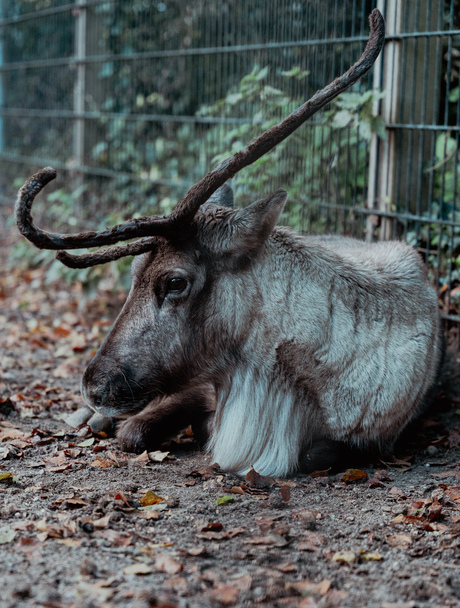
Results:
x,y
372,342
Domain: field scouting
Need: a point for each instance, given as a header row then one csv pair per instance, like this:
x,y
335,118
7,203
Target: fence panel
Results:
x,y
134,101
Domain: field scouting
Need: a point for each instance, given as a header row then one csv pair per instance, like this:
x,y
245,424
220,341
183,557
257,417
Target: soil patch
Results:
x,y
83,524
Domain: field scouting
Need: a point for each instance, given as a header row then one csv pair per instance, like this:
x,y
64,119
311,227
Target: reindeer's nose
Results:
x,y
94,395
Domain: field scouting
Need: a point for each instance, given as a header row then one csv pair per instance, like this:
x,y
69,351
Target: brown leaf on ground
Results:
x,y
435,510
214,526
454,493
399,541
117,539
244,489
207,473
317,474
225,594
141,459
285,492
376,481
167,563
398,465
353,475
311,542
7,432
396,492
453,439
310,588
346,557
65,530
138,569
69,502
101,522
150,498
104,463
176,583
419,522
274,540
197,550
122,497
256,480
158,456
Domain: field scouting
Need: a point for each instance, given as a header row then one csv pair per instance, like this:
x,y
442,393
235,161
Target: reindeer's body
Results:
x,y
344,346
308,339
296,347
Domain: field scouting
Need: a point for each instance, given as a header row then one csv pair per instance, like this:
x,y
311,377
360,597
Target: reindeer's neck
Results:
x,y
257,423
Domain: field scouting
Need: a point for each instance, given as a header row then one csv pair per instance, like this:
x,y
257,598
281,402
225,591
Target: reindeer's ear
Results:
x,y
250,227
223,197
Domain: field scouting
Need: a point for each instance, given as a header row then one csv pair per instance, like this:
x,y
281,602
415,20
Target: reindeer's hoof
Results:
x,y
97,422
131,436
79,417
101,424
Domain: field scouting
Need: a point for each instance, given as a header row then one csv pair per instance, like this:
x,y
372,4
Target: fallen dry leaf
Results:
x,y
347,557
69,502
138,568
374,556
353,475
118,539
311,542
310,588
285,492
256,480
158,456
176,583
7,535
207,473
150,499
400,541
6,476
225,594
166,563
398,465
274,540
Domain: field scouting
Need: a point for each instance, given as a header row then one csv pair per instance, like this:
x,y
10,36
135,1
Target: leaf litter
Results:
x,y
73,512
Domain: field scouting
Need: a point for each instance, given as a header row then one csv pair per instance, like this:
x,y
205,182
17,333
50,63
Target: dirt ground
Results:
x,y
84,525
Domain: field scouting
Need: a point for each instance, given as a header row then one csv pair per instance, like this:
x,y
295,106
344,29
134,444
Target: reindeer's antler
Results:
x,y
186,209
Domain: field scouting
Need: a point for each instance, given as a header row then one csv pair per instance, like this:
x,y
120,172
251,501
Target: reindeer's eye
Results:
x,y
176,285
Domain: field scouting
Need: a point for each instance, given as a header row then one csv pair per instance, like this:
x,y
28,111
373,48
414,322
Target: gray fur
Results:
x,y
292,340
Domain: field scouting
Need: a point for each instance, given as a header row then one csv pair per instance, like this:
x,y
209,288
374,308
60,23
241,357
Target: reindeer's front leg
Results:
x,y
166,416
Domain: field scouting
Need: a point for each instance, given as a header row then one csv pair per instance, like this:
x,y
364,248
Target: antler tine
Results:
x,y
143,226
105,255
186,209
203,189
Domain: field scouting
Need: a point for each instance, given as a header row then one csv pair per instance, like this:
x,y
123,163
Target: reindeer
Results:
x,y
286,352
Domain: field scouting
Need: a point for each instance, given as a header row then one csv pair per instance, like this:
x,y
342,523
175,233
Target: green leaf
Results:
x,y
296,72
222,500
234,98
263,73
86,443
6,476
342,119
454,95
6,535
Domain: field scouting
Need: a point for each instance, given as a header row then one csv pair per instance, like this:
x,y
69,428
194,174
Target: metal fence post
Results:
x,y
383,151
78,151
2,98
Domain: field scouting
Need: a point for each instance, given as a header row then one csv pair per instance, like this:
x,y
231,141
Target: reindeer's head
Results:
x,y
184,313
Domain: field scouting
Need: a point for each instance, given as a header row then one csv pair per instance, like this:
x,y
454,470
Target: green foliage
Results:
x,y
442,242
305,161
309,157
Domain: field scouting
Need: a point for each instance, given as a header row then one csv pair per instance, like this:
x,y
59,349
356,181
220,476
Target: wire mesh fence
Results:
x,y
134,101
